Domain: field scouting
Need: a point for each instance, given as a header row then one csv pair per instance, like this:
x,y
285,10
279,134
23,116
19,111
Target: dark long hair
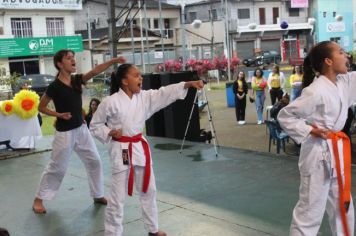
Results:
x,y
244,83
255,74
277,68
116,77
300,69
97,103
75,81
314,61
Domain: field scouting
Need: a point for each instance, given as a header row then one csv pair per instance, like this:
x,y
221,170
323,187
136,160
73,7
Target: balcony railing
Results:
x,y
167,33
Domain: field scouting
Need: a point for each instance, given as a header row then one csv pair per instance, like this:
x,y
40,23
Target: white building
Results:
x,y
254,25
32,31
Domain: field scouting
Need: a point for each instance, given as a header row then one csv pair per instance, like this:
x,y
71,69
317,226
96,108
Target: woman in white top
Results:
x,y
275,83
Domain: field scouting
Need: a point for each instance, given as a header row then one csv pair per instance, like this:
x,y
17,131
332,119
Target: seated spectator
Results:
x,y
279,105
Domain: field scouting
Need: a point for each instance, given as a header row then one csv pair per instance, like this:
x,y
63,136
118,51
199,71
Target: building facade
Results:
x,y
255,25
334,21
32,31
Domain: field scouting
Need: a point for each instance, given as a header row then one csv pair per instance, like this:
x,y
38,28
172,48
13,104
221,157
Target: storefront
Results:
x,y
35,55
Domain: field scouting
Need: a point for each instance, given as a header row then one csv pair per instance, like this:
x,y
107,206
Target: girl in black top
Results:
x,y
71,131
93,105
240,90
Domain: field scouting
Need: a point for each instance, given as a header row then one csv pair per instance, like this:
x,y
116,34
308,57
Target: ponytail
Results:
x,y
118,76
314,61
308,76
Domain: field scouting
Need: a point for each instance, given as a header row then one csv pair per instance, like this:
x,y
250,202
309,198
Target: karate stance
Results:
x,y
314,119
120,119
71,131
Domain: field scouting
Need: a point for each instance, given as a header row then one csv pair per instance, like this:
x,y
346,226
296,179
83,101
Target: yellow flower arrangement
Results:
x,y
26,104
7,107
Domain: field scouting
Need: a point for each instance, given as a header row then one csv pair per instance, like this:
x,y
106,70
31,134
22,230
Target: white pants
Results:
x,y
115,210
317,193
81,141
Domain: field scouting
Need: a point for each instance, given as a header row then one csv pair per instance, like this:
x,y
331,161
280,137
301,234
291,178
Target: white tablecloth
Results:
x,y
21,133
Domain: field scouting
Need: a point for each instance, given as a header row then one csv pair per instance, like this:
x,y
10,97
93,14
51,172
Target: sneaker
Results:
x,y
259,122
240,122
243,122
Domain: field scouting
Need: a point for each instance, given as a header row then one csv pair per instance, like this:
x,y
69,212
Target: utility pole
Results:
x,y
89,39
184,56
161,32
227,41
226,36
212,32
132,36
146,31
112,29
141,32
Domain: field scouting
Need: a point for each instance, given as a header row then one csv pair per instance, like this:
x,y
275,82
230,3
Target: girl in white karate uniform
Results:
x,y
312,120
120,119
71,131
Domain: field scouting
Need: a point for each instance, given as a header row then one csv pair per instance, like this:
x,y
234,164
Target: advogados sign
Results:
x,y
41,4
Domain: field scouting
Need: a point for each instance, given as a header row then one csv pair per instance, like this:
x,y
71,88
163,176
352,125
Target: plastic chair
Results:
x,y
277,135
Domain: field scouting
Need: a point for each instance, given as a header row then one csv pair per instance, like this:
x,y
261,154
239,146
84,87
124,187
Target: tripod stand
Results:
x,y
212,128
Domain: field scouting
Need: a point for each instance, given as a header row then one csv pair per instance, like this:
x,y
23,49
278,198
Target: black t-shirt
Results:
x,y
67,99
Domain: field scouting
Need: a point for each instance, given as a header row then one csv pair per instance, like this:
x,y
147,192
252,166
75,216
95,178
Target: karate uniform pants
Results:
x,y
319,192
81,141
115,209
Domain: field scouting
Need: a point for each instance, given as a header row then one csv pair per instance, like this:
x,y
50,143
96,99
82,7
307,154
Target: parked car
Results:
x,y
37,82
266,57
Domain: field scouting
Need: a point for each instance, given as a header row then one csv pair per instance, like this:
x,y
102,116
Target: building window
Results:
x,y
55,26
134,22
156,23
21,27
336,39
148,23
213,14
293,11
192,16
262,14
243,13
275,13
167,24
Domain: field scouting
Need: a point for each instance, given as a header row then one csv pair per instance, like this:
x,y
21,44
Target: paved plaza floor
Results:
x,y
239,192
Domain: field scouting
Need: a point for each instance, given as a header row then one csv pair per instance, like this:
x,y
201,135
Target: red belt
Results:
x,y
146,179
344,188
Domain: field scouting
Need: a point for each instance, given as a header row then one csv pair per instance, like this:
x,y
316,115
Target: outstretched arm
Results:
x,y
198,84
158,99
102,67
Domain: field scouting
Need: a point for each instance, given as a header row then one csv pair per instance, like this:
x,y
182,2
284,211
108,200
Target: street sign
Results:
x,y
15,47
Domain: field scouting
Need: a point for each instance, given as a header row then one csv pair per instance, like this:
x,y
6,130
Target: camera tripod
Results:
x,y
212,128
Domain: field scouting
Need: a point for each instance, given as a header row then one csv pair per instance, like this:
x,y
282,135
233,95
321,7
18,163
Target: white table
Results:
x,y
21,133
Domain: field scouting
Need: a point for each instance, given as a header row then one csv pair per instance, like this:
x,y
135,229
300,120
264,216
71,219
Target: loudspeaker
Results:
x,y
177,114
155,124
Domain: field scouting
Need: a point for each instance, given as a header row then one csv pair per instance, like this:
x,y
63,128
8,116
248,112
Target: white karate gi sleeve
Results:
x,y
292,118
269,81
352,88
157,99
283,81
98,126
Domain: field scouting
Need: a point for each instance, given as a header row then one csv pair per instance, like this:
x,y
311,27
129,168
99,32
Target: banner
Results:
x,y
299,3
16,47
41,4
